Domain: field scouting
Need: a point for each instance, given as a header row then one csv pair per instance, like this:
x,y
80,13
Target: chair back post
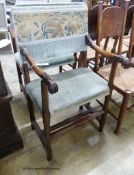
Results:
x,y
26,73
99,22
83,59
13,40
99,29
89,3
112,75
130,52
124,6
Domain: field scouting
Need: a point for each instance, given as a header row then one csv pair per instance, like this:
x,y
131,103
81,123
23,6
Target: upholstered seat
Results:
x,y
123,78
76,87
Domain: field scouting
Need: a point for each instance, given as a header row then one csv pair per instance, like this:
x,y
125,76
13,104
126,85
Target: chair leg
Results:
x,y
46,122
105,108
122,112
60,69
19,77
31,110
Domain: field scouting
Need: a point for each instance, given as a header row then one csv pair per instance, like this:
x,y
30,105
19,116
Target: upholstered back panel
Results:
x,y
51,30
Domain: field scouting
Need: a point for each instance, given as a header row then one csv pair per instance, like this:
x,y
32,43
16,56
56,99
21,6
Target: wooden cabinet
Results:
x,y
10,139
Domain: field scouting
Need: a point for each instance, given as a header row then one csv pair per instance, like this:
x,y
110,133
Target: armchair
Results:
x,y
123,82
59,94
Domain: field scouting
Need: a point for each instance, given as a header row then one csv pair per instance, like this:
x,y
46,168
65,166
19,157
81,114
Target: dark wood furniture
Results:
x,y
123,82
10,139
60,93
106,18
48,85
130,25
18,66
100,26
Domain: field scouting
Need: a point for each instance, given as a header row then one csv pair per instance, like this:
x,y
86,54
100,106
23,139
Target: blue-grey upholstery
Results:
x,y
50,62
53,34
76,87
59,26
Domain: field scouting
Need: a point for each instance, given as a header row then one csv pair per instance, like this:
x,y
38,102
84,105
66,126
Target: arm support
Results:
x,y
51,84
117,58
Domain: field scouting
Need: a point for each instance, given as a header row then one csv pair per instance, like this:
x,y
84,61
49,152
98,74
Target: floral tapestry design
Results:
x,y
39,26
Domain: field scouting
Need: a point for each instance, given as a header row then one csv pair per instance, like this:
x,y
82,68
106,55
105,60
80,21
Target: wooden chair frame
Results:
x,y
50,86
19,70
96,28
126,94
99,62
130,52
117,37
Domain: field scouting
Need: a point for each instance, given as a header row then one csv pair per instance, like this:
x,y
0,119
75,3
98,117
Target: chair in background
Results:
x,y
102,30
128,28
123,82
60,94
130,53
93,24
126,38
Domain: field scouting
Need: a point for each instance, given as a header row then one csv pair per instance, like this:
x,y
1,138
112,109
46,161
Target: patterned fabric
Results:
x,y
52,33
85,87
35,26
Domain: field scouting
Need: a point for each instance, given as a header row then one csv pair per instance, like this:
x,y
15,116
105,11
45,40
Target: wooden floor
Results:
x,y
81,151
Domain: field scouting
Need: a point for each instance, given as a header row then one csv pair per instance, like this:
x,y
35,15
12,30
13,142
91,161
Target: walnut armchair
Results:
x,y
60,94
39,93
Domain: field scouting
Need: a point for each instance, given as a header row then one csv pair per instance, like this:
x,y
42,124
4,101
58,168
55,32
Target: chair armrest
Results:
x,y
117,58
52,85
